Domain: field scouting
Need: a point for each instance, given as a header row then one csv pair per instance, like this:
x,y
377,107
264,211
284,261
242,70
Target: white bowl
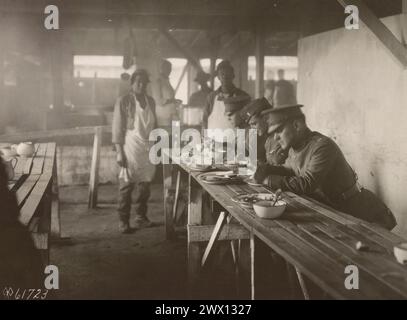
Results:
x,y
25,149
266,210
400,252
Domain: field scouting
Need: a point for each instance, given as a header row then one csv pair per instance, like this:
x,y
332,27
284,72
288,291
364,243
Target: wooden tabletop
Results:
x,y
33,178
321,242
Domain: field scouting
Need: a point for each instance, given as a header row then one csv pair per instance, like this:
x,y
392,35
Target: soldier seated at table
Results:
x,y
268,150
233,106
317,167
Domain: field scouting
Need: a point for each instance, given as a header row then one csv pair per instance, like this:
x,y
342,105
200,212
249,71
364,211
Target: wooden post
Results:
x,y
94,173
195,217
212,70
259,90
214,49
56,71
383,34
2,89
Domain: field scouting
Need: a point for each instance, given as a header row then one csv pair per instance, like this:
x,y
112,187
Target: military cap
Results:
x,y
255,108
279,115
233,104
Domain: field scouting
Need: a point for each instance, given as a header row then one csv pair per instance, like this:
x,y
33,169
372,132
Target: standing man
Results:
x,y
164,95
317,167
284,92
133,119
214,113
199,98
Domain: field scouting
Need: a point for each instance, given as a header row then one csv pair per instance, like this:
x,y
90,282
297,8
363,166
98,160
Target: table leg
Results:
x,y
302,284
167,184
195,216
252,266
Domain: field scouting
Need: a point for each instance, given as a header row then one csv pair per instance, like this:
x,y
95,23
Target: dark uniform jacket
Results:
x,y
320,170
123,116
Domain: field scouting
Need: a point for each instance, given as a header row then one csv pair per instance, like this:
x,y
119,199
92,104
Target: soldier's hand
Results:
x,y
278,155
262,172
121,159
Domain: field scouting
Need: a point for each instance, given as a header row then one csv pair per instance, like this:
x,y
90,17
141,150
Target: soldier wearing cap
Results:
x,y
214,113
233,106
317,167
268,150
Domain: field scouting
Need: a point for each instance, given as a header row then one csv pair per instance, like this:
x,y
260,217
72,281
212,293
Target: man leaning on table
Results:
x,y
316,167
268,150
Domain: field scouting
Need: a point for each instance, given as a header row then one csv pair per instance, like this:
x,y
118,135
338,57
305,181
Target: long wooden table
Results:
x,y
317,240
36,188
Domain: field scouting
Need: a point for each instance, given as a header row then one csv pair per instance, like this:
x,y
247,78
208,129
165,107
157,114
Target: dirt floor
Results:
x,y
95,261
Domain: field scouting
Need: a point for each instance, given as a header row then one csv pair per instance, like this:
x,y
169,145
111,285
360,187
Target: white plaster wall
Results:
x,y
354,90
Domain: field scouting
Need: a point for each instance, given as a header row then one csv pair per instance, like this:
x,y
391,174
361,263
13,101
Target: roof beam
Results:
x,y
385,36
191,59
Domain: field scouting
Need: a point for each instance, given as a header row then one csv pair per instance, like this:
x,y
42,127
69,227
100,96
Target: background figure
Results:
x,y
214,114
269,90
199,98
284,92
20,262
164,96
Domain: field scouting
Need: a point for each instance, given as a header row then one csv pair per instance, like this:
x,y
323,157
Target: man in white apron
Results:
x,y
214,114
134,118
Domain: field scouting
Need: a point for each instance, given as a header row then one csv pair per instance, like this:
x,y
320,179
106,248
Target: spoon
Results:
x,y
278,197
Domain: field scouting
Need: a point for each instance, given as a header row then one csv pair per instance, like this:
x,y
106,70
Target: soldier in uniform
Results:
x,y
268,150
317,167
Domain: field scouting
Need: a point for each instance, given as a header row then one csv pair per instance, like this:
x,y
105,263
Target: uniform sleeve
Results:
x,y
119,123
321,161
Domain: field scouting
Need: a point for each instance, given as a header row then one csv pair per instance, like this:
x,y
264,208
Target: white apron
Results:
x,y
137,145
217,119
